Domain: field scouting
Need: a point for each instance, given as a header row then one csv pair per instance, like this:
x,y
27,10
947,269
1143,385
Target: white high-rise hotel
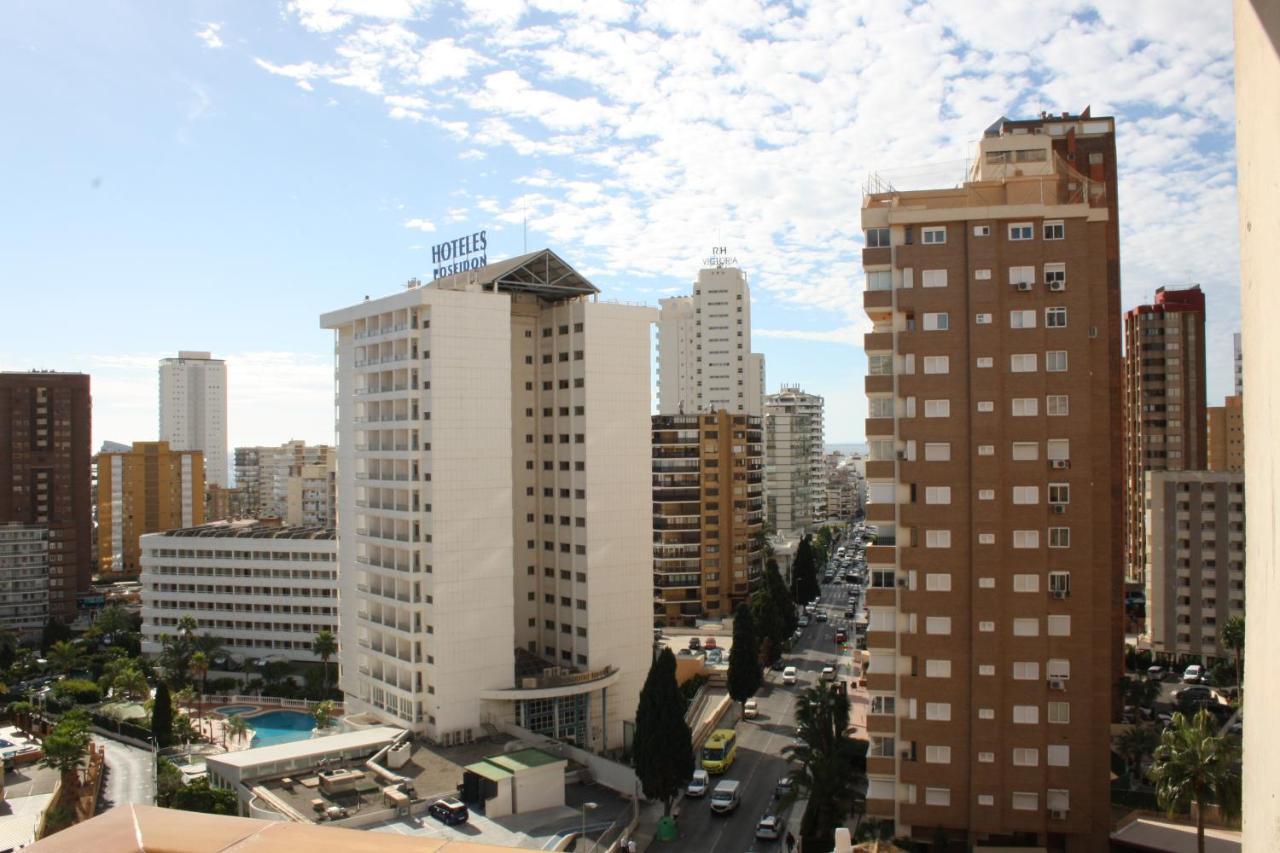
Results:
x,y
193,409
705,362
494,518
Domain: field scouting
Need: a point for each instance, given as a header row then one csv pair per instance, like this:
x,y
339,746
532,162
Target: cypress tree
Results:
x,y
744,657
804,572
663,742
162,716
781,597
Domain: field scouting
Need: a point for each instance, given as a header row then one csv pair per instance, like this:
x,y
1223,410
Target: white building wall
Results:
x,y
193,409
677,356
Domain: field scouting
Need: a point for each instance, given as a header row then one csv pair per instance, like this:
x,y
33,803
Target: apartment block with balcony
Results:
x,y
262,588
994,483
494,504
193,409
795,461
708,514
1195,526
24,579
143,490
1224,435
1164,403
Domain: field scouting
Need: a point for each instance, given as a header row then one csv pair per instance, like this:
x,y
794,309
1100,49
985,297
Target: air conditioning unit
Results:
x,y
906,755
902,454
1058,285
902,582
1024,286
1059,508
1057,814
1057,684
1060,463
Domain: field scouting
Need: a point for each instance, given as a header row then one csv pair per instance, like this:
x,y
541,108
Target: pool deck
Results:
x,y
212,724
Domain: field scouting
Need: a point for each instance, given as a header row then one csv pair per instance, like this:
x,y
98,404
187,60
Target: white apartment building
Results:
x,y
310,493
24,578
267,475
795,464
705,362
193,409
494,504
263,589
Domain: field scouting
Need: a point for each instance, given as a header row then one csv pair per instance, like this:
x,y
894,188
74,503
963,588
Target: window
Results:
x,y
1026,583
937,364
986,669
937,796
937,625
937,582
1022,275
1026,494
1024,757
937,539
1055,276
937,711
1026,715
985,361
986,406
986,799
880,280
1026,802
1059,493
1059,626
1026,670
937,495
982,230
986,714
1058,755
880,365
882,705
986,539
1056,405
1059,712
982,275
1023,362
1026,451
937,451
933,278
1054,229
937,754
1026,538
936,323
877,238
880,407
1026,627
986,449
937,669
1059,582
1025,407
1022,319
1021,231
986,494
930,236
1055,361
982,319
937,408
1055,318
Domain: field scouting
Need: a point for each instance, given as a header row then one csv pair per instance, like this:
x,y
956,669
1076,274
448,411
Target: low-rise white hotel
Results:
x,y
493,493
262,588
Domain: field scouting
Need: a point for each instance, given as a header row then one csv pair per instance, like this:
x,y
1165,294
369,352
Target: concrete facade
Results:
x,y
193,409
24,579
144,490
1195,576
994,483
795,466
1224,435
494,518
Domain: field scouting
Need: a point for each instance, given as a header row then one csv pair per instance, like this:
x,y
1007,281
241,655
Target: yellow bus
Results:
x,y
719,750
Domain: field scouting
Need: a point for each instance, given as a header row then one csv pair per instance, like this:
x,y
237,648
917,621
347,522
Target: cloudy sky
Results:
x,y
214,175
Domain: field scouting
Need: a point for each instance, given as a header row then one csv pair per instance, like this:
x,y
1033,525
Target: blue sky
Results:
x,y
201,175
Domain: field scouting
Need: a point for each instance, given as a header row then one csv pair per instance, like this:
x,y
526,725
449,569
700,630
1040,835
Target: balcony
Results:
x,y
877,257
881,512
880,470
877,299
883,427
879,384
884,555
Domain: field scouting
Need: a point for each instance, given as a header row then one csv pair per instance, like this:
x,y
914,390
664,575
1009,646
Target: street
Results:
x,y
760,763
130,775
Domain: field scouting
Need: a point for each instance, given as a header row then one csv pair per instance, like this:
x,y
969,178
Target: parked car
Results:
x,y
697,786
778,665
789,675
828,673
750,710
1156,672
784,786
822,616
709,643
1193,674
1196,694
804,622
449,811
769,828
841,636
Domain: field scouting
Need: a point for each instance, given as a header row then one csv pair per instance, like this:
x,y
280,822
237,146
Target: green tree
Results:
x,y
1232,639
324,646
65,748
236,727
76,691
323,713
1195,765
162,716
1135,745
663,744
782,598
770,627
200,669
831,768
130,683
1140,692
744,657
55,630
63,656
200,797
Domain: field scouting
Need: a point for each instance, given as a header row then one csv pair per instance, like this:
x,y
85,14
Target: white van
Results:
x,y
789,675
724,798
697,786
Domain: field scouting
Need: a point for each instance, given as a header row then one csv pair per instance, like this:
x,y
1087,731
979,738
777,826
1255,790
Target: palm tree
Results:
x,y
323,713
831,763
131,683
325,646
63,656
1195,765
1232,638
236,727
184,698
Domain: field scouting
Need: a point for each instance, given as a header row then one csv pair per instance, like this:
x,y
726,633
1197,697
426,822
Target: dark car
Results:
x,y
695,644
1195,696
449,811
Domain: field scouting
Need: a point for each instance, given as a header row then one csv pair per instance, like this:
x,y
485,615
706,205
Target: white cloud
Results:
x,y
209,35
420,224
326,16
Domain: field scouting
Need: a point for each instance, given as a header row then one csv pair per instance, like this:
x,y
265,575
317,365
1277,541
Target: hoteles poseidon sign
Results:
x,y
459,255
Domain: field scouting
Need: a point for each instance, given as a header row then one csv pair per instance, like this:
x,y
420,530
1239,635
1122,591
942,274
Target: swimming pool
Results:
x,y
231,710
275,727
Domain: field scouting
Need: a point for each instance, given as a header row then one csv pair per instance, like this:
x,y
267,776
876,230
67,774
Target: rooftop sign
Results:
x,y
720,258
459,255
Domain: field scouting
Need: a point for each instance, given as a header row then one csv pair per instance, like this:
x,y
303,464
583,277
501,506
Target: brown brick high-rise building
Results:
x,y
45,426
708,512
1164,403
994,483
1224,435
145,490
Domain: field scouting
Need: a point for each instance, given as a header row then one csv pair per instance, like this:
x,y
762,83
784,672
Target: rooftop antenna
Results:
x,y
525,251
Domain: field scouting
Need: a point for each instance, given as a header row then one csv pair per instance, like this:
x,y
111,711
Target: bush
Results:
x,y
226,685
77,691
200,797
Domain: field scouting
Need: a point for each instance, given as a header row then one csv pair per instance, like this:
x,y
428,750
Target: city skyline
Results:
x,y
288,157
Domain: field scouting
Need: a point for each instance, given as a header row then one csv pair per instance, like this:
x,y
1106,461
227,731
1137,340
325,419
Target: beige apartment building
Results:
x,y
143,490
1224,435
1195,560
795,465
1164,403
708,514
994,481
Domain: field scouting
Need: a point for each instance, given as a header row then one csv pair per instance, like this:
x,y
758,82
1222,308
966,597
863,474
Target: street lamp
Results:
x,y
586,807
